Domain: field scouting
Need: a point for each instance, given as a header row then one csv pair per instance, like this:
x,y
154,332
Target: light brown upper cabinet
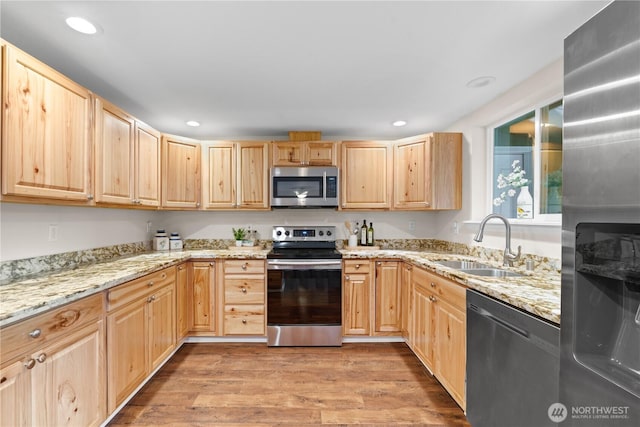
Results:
x,y
236,175
304,153
428,172
46,132
127,158
180,172
366,168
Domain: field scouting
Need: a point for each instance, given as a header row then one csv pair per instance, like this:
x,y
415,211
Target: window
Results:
x,y
527,164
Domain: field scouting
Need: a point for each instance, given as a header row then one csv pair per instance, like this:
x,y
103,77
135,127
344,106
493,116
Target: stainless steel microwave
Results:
x,y
304,187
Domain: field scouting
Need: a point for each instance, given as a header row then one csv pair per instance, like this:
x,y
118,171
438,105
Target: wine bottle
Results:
x,y
370,234
363,233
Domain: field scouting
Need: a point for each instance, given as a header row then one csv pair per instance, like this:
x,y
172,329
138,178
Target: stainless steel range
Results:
x,y
304,284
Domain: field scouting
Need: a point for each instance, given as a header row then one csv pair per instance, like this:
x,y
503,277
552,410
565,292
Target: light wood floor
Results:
x,y
256,385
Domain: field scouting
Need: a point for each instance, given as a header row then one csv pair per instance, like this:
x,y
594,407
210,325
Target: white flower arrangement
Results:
x,y
510,183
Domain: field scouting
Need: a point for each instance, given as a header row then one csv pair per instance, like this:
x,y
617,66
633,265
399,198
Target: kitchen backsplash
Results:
x,y
16,269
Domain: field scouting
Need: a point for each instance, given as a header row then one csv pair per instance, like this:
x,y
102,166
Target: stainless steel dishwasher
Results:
x,y
513,361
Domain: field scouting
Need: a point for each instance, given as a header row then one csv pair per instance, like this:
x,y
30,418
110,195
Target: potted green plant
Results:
x,y
239,235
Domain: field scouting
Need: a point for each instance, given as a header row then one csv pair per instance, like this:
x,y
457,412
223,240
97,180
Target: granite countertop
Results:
x,y
537,293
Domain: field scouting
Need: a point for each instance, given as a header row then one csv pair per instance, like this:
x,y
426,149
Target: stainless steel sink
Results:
x,y
463,265
490,272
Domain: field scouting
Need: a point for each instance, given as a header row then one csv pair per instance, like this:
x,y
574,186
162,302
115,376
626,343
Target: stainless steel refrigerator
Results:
x,y
600,321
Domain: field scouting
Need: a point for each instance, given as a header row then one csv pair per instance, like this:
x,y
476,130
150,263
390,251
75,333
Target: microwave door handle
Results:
x,y
324,185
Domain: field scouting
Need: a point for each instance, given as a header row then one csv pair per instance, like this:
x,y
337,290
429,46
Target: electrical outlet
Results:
x,y
53,232
456,230
149,226
412,225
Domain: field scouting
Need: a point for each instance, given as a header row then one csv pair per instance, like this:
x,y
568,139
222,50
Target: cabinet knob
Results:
x,y
35,333
163,275
244,266
244,321
29,364
41,357
180,267
244,290
347,278
211,264
198,205
150,283
432,298
433,285
152,298
357,267
409,268
89,196
379,263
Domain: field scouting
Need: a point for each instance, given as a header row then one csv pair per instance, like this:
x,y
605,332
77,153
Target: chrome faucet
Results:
x,y
509,256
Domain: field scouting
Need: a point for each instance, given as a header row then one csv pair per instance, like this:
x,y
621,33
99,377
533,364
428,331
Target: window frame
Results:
x,y
538,218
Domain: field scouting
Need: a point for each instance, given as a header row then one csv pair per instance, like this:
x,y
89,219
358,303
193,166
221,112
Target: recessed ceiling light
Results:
x,y
81,25
193,123
399,123
481,82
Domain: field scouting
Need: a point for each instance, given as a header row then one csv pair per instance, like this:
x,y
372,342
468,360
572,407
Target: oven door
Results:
x,y
304,302
304,292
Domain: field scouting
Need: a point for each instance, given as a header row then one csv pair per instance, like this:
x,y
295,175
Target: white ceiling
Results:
x,y
247,69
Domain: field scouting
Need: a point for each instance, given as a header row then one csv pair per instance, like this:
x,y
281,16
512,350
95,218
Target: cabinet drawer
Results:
x,y
138,288
244,291
244,266
452,292
45,328
359,266
244,320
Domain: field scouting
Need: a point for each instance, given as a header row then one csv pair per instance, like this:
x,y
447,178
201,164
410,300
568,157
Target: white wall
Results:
x,y
542,240
24,229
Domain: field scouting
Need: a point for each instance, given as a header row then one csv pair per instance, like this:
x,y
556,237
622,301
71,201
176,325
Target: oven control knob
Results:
x,y
278,233
286,233
328,233
321,233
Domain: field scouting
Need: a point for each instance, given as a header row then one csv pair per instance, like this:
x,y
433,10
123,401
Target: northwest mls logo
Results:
x,y
557,412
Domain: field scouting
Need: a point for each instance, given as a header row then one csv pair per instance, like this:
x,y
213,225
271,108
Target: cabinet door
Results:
x,y
356,303
162,324
15,395
412,185
182,302
450,349
321,153
219,174
203,296
446,170
423,324
127,335
366,175
46,141
253,175
180,173
405,291
147,165
114,154
288,153
387,297
68,382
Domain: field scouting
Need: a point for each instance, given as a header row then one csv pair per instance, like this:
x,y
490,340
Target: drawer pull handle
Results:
x,y
244,321
150,283
244,290
29,364
244,266
41,357
35,333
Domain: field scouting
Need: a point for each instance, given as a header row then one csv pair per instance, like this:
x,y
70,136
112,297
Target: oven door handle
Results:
x,y
306,264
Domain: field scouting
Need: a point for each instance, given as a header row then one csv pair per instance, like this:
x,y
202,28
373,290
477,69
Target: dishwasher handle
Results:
x,y
486,313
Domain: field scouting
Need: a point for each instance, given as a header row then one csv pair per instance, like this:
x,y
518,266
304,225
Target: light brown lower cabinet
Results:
x,y
53,368
439,329
244,291
202,297
356,297
388,316
182,301
406,306
141,331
